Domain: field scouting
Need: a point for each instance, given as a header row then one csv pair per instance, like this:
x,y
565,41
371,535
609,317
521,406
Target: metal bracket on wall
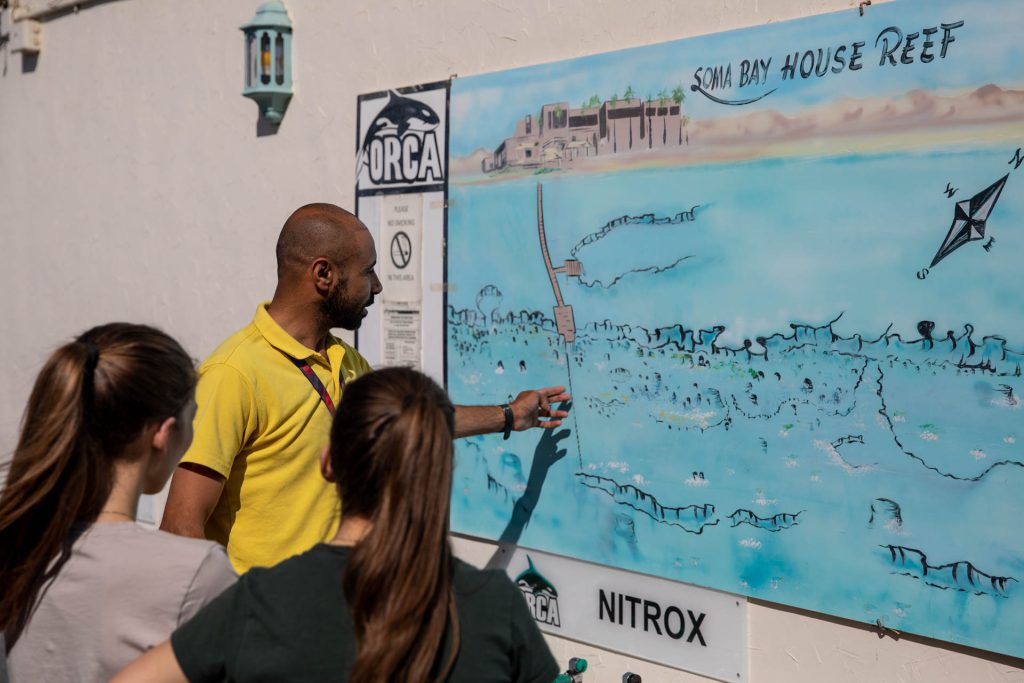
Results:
x,y
23,19
884,631
26,34
45,10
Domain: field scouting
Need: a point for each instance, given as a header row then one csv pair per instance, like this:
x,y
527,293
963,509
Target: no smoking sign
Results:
x,y
401,250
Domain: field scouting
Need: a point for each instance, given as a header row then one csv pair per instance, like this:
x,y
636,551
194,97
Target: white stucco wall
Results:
x,y
133,186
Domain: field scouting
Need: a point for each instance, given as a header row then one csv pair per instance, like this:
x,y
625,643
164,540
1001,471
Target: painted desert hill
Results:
x,y
911,111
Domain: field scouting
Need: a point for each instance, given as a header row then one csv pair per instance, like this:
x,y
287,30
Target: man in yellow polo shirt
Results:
x,y
265,398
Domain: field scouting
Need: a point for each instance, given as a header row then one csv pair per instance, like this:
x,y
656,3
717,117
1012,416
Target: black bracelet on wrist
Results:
x,y
510,419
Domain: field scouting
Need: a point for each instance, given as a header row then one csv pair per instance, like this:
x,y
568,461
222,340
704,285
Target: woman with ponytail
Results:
x,y
83,589
384,601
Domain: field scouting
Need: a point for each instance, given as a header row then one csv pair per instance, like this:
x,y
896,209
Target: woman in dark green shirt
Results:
x,y
384,600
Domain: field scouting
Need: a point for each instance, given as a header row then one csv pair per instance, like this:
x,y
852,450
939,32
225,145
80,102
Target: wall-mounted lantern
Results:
x,y
268,60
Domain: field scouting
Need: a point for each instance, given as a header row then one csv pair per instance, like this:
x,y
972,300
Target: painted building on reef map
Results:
x,y
560,136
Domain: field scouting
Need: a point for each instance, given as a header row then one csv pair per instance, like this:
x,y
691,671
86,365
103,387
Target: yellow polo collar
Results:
x,y
281,340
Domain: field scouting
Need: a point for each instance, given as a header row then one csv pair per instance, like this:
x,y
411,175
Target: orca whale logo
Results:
x,y
541,596
400,145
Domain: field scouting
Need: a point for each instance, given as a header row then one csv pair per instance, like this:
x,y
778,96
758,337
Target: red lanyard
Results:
x,y
318,386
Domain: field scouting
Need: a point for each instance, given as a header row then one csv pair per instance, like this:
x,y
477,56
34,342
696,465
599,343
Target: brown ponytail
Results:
x,y
90,400
391,450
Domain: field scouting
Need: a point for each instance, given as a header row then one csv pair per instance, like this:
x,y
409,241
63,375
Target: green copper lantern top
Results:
x,y
270,14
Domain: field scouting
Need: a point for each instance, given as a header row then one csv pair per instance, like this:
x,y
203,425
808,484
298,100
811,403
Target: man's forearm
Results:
x,y
173,524
531,408
474,420
194,492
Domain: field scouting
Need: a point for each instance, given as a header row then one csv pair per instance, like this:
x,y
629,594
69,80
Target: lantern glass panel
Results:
x,y
249,44
265,59
279,61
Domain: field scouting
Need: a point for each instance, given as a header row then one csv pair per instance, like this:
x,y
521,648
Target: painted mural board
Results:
x,y
779,269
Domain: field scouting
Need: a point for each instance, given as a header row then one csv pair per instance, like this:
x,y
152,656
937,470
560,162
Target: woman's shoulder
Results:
x,y
473,583
195,567
305,584
150,546
497,626
309,572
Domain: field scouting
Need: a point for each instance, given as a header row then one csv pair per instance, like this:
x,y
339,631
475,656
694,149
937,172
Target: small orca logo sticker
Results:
x,y
541,596
401,146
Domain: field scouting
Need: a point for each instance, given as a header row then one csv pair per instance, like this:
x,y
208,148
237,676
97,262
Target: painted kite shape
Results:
x,y
969,219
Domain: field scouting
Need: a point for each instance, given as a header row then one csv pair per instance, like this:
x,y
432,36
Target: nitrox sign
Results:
x,y
674,623
651,616
402,140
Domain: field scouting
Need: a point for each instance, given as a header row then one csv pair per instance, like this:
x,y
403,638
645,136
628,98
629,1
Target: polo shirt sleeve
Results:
x,y
354,363
225,418
531,658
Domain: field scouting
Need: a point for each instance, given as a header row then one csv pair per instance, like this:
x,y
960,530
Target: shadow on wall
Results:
x,y
265,127
546,454
29,62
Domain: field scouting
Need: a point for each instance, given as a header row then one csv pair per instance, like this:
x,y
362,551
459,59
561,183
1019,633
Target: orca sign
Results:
x,y
402,140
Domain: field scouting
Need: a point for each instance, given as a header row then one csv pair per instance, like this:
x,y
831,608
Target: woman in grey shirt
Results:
x,y
85,589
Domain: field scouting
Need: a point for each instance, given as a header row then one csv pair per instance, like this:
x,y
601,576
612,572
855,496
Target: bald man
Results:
x,y
265,398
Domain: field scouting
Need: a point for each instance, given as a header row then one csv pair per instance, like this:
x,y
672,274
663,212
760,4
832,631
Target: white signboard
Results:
x,y
400,253
401,185
403,140
683,626
402,341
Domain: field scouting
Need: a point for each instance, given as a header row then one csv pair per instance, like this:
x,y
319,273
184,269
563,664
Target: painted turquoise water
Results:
x,y
761,405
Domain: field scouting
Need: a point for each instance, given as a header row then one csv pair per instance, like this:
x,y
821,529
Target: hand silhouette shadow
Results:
x,y
546,454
